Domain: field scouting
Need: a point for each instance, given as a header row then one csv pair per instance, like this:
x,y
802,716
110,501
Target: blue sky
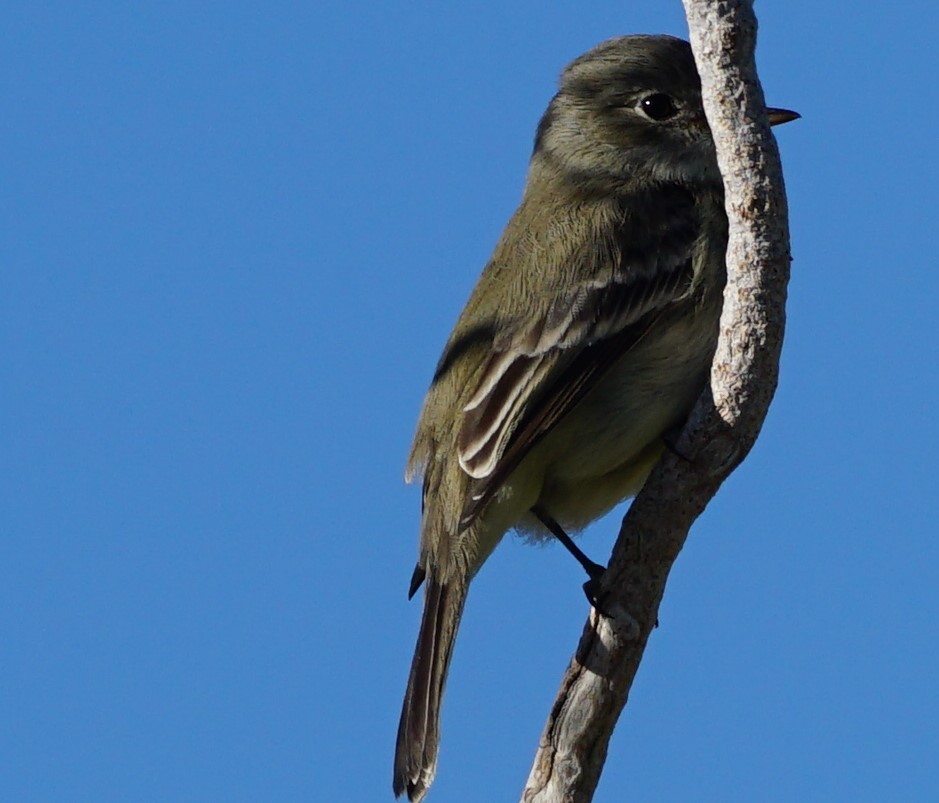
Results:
x,y
235,236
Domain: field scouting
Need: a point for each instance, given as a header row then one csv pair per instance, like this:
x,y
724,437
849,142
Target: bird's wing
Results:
x,y
540,368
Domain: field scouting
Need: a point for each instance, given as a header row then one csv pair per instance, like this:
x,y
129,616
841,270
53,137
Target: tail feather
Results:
x,y
419,728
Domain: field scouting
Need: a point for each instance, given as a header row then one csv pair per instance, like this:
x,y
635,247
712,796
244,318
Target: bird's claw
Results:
x,y
592,588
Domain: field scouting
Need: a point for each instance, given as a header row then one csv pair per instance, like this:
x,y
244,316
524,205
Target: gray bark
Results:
x,y
721,430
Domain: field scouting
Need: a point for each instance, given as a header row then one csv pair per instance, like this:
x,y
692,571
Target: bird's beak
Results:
x,y
780,116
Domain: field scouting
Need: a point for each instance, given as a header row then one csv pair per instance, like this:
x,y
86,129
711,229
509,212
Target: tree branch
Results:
x,y
721,429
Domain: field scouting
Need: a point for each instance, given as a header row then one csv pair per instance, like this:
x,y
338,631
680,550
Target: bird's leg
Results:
x,y
594,570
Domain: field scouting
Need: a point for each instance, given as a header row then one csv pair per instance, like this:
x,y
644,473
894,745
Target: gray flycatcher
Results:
x,y
588,337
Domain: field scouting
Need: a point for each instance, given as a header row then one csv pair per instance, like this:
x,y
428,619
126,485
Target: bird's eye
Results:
x,y
658,107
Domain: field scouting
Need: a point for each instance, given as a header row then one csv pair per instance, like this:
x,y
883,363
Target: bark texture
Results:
x,y
721,430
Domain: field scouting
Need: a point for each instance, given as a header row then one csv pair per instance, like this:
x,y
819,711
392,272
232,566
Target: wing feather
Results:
x,y
540,368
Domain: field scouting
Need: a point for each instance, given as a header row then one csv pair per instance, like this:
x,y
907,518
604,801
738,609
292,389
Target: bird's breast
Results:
x,y
603,450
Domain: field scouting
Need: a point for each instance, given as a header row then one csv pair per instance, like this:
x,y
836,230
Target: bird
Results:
x,y
586,341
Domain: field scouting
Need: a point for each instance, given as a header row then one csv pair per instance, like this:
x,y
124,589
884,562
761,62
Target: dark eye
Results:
x,y
658,107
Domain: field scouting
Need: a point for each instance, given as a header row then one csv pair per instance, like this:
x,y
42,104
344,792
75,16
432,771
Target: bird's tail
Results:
x,y
419,728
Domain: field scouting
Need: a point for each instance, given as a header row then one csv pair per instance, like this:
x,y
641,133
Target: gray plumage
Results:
x,y
589,335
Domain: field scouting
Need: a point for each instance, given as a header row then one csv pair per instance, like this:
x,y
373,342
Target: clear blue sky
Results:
x,y
234,238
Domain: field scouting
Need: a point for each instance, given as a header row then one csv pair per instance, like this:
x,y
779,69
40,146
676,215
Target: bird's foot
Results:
x,y
592,587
